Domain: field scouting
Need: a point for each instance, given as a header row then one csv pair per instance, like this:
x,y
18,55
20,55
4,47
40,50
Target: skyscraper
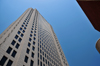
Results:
x,y
30,41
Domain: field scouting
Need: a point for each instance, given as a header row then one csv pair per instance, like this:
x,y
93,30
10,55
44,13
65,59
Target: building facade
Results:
x,y
30,41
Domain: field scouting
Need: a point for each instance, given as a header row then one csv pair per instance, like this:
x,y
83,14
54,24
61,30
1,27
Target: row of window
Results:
x,y
28,49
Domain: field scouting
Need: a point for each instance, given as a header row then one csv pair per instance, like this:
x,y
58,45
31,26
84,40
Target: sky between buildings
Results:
x,y
73,29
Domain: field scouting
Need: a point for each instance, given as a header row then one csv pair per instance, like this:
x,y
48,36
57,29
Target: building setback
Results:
x,y
30,41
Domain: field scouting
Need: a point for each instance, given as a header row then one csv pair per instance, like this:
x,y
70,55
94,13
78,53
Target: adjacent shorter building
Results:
x,y
30,41
92,10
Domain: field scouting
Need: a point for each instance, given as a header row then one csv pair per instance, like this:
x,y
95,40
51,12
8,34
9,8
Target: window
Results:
x,y
31,31
43,64
46,61
20,40
31,64
30,39
14,53
33,43
32,55
20,28
26,59
27,51
9,50
22,35
29,44
38,54
16,36
23,31
13,42
41,57
17,46
9,63
34,31
33,48
18,32
3,60
24,27
30,35
34,34
40,63
34,38
23,23
32,28
40,51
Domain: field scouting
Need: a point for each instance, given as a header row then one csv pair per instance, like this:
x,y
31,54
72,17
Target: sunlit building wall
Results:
x,y
30,41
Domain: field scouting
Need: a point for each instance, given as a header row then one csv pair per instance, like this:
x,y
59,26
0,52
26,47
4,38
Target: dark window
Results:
x,y
22,25
29,44
40,51
31,31
26,59
45,55
32,55
23,31
13,42
34,34
14,53
43,64
27,51
34,38
18,32
16,36
41,57
20,28
46,61
17,46
40,63
34,31
32,28
9,50
22,35
31,64
30,39
33,48
26,25
38,54
40,46
3,60
9,63
30,35
20,40
33,43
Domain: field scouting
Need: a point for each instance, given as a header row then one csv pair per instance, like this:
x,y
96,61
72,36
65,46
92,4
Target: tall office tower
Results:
x,y
30,41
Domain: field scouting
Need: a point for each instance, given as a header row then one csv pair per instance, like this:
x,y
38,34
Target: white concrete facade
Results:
x,y
30,41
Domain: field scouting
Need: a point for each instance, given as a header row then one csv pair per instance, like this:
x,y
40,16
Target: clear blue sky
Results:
x,y
73,29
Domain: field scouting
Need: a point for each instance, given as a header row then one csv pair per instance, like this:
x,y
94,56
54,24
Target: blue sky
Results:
x,y
73,29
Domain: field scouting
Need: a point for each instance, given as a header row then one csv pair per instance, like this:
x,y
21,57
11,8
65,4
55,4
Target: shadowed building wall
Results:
x,y
92,10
